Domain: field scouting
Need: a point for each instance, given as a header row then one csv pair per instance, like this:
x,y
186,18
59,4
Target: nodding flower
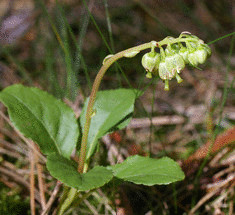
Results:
x,y
187,49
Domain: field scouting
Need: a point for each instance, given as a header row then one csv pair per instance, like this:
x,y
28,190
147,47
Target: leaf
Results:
x,y
41,117
113,109
66,171
148,171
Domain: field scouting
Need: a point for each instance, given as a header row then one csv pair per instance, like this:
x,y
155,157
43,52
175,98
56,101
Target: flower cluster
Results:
x,y
186,49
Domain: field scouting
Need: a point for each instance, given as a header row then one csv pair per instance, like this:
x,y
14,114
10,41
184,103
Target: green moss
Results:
x,y
12,204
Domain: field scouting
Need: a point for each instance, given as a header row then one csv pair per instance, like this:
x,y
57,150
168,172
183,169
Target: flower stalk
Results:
x,y
168,64
95,87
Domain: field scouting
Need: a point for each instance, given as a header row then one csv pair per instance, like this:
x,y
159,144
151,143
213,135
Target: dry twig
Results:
x,y
52,198
209,195
32,182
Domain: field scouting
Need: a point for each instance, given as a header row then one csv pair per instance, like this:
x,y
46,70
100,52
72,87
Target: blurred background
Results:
x,y
59,47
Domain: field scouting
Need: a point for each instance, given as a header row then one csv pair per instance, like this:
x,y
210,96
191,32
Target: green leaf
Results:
x,y
148,171
113,109
41,117
66,171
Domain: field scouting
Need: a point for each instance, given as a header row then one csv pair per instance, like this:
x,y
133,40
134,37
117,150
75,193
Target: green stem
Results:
x,y
72,193
96,84
94,90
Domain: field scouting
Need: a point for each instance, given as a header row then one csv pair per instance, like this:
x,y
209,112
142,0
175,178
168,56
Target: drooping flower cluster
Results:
x,y
186,49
